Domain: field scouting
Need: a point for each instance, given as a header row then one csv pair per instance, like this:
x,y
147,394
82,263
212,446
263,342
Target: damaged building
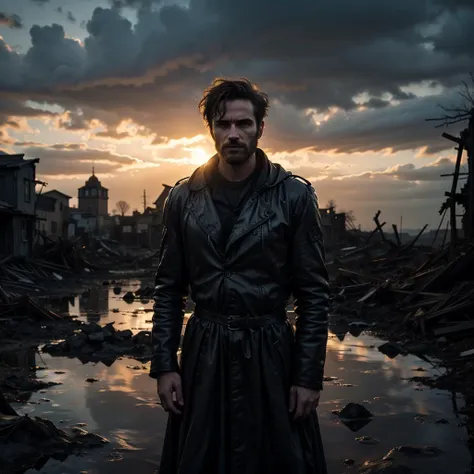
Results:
x,y
17,205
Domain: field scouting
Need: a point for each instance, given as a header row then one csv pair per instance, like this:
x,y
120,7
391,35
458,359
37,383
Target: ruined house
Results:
x,y
52,209
334,226
17,205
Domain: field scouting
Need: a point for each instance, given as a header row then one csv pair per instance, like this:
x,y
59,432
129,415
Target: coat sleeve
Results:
x,y
310,290
171,290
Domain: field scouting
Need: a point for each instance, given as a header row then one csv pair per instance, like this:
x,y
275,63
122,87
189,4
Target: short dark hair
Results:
x,y
223,89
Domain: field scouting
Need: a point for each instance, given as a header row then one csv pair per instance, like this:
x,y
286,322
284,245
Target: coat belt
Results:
x,y
241,321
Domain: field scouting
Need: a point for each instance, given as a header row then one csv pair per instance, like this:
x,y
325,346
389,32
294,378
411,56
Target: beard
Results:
x,y
240,154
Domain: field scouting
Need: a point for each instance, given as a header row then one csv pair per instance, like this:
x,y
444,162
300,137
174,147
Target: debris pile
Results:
x,y
111,253
428,290
92,342
20,276
28,443
63,254
25,307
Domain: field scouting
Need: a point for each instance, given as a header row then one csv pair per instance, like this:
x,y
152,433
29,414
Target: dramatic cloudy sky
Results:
x,y
116,84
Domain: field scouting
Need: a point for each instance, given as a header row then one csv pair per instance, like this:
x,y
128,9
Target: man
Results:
x,y
244,234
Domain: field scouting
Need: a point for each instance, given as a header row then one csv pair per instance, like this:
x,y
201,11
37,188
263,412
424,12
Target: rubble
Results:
x,y
28,443
354,416
92,342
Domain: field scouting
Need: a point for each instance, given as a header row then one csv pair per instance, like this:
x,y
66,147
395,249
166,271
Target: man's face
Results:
x,y
236,133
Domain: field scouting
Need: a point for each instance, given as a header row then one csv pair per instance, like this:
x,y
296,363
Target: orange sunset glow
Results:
x,y
111,84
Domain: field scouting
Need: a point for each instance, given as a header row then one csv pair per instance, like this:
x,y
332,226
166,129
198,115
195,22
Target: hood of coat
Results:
x,y
271,174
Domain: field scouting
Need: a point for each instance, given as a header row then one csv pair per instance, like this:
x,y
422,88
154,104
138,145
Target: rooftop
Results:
x,y
15,161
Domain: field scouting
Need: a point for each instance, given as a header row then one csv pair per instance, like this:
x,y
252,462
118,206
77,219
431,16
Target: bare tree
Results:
x,y
331,204
459,113
123,207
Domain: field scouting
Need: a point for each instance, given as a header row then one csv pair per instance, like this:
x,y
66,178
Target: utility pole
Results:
x,y
144,200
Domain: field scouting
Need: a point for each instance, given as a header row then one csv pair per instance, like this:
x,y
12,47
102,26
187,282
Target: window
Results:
x,y
60,206
24,227
27,187
54,227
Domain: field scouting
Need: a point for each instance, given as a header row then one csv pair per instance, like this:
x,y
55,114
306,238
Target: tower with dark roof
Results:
x,y
93,197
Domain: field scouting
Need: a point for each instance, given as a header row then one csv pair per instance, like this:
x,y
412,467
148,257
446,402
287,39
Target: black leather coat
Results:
x,y
275,250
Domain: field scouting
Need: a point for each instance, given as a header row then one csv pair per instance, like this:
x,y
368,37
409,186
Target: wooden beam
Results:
x,y
453,193
397,237
379,226
451,137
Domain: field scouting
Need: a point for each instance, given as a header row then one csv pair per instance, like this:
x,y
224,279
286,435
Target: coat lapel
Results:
x,y
204,211
201,205
254,214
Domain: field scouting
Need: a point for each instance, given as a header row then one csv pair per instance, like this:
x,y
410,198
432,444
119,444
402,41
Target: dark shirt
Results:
x,y
229,197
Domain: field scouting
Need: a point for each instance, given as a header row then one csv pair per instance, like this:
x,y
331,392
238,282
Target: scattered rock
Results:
x,y
354,416
95,343
354,411
117,290
348,462
391,350
129,297
92,379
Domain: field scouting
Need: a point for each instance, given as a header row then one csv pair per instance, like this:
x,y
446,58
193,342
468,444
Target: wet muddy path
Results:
x,y
122,404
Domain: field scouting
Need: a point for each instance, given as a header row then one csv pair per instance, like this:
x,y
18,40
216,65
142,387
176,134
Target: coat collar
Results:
x,y
255,212
271,173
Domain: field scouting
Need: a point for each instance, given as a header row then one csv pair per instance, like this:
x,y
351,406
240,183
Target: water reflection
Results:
x,y
122,404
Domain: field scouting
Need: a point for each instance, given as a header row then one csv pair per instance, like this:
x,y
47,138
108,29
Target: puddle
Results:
x,y
122,404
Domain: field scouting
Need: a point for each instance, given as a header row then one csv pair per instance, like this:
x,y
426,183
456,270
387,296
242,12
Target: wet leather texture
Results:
x,y
236,380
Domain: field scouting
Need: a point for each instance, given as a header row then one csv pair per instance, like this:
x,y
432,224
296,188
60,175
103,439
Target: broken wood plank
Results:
x,y
467,326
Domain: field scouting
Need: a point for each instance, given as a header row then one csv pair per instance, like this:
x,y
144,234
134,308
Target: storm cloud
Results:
x,y
307,56
12,21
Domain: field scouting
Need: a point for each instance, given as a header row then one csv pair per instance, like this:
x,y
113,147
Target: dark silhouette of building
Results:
x,y
93,197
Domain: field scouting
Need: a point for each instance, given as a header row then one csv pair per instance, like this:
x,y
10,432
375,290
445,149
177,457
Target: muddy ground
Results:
x,y
407,404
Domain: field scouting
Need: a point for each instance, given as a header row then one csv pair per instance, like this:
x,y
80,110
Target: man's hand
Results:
x,y
303,401
170,392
